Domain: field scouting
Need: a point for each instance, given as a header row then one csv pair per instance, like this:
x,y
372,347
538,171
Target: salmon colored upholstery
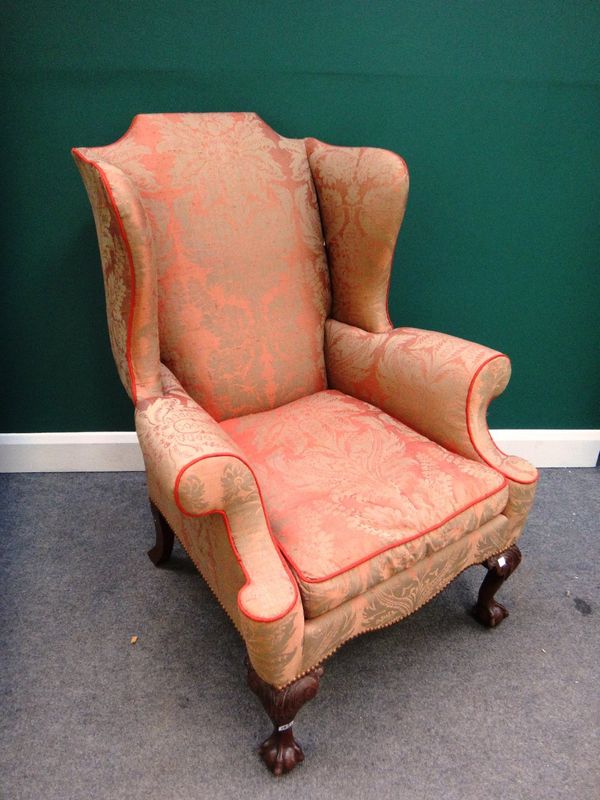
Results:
x,y
237,251
326,473
362,195
400,595
439,385
203,484
354,496
126,250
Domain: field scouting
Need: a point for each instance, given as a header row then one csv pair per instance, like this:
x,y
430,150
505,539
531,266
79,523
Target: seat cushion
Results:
x,y
354,496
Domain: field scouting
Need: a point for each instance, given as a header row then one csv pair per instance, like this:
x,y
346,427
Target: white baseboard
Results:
x,y
551,448
119,451
104,451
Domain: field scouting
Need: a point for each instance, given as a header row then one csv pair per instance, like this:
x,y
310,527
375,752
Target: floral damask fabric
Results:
x,y
243,285
199,479
354,496
129,275
324,516
186,450
438,384
402,594
362,195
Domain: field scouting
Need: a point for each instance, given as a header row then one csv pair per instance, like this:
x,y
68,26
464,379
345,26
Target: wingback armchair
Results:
x,y
326,473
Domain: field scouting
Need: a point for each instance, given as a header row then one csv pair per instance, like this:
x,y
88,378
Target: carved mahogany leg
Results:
x,y
164,538
487,610
281,752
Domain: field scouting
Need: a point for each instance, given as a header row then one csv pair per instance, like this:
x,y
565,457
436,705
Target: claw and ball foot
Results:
x,y
487,610
281,752
164,538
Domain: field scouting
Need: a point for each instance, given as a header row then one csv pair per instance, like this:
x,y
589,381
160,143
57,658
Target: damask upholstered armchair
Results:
x,y
326,473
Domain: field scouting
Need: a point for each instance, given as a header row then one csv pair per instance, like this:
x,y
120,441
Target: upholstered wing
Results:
x,y
128,267
362,196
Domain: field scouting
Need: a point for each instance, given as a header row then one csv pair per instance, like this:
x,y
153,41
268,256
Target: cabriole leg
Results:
x,y
281,752
487,610
164,538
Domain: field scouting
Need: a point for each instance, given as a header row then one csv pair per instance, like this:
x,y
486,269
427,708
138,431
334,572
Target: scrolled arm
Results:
x,y
193,460
437,384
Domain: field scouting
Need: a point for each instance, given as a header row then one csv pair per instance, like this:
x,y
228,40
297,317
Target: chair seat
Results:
x,y
354,496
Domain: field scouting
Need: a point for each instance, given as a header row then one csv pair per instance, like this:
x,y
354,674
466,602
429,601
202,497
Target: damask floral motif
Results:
x,y
243,288
212,245
362,195
398,371
117,284
238,484
196,494
205,145
129,275
402,594
354,496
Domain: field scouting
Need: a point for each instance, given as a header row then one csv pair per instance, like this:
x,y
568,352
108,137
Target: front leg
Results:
x,y
487,610
281,752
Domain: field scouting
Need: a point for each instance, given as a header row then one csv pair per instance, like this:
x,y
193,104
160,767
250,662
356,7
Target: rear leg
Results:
x,y
164,538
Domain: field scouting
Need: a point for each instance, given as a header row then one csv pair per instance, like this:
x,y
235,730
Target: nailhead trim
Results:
x,y
354,635
394,621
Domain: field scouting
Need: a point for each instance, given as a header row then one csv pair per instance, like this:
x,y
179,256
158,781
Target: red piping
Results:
x,y
389,280
467,420
230,535
394,544
107,188
470,432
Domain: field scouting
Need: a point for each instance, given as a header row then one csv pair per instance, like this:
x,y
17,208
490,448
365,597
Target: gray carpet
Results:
x,y
435,707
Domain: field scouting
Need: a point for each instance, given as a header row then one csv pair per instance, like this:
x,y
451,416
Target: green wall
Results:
x,y
494,105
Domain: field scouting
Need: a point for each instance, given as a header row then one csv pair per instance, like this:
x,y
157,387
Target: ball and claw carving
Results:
x,y
281,752
487,610
490,614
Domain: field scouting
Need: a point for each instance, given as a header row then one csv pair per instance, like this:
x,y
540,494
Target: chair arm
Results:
x,y
439,385
192,459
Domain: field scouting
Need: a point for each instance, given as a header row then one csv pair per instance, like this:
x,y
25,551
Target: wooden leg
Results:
x,y
487,610
164,538
281,752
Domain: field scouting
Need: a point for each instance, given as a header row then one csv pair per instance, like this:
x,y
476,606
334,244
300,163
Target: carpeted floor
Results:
x,y
433,708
